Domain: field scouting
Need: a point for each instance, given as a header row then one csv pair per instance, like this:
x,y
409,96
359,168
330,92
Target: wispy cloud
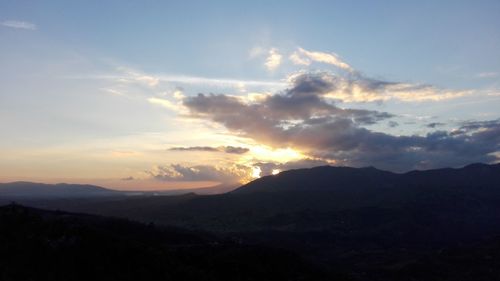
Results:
x,y
305,57
225,149
19,24
488,75
297,59
184,79
256,52
218,81
349,87
173,106
112,91
136,76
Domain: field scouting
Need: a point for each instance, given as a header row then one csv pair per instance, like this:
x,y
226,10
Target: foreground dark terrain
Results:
x,y
321,223
51,245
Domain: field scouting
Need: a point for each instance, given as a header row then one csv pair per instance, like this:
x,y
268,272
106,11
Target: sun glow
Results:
x,y
256,172
275,171
281,155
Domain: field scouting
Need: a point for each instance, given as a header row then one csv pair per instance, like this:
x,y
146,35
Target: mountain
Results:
x,y
346,178
31,190
373,225
318,199
210,190
27,191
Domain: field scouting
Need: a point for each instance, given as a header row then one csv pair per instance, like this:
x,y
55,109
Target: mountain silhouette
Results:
x,y
33,190
377,225
344,178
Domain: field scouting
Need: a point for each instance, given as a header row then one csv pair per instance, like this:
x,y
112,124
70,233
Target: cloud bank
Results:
x,y
306,117
178,172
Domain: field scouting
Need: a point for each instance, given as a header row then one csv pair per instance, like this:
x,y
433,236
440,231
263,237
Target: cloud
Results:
x,y
113,91
351,145
195,148
182,79
132,75
353,86
305,117
178,94
297,59
392,124
256,52
488,75
128,178
435,124
468,126
218,81
274,117
225,149
19,24
304,57
235,149
166,104
273,59
178,172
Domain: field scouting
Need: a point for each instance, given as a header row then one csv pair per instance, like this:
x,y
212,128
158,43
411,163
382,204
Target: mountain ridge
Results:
x,y
331,177
43,190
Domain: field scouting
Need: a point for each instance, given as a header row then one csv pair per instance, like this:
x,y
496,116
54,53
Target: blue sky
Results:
x,y
100,91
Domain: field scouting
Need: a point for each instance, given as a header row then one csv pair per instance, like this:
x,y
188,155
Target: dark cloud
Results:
x,y
234,149
356,87
475,125
178,172
271,119
362,147
392,124
435,124
225,149
302,117
195,148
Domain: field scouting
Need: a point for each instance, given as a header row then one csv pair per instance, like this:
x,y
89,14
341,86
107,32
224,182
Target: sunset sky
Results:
x,y
174,94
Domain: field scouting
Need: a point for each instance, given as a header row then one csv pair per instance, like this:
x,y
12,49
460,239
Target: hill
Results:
x,y
373,224
44,245
343,178
22,189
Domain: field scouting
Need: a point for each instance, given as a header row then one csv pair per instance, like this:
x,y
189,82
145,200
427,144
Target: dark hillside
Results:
x,y
45,245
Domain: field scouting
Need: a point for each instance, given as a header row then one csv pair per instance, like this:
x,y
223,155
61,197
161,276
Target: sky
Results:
x,y
148,95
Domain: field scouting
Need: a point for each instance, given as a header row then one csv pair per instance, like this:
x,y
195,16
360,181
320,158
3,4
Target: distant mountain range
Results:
x,y
343,178
23,189
321,178
373,225
280,201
